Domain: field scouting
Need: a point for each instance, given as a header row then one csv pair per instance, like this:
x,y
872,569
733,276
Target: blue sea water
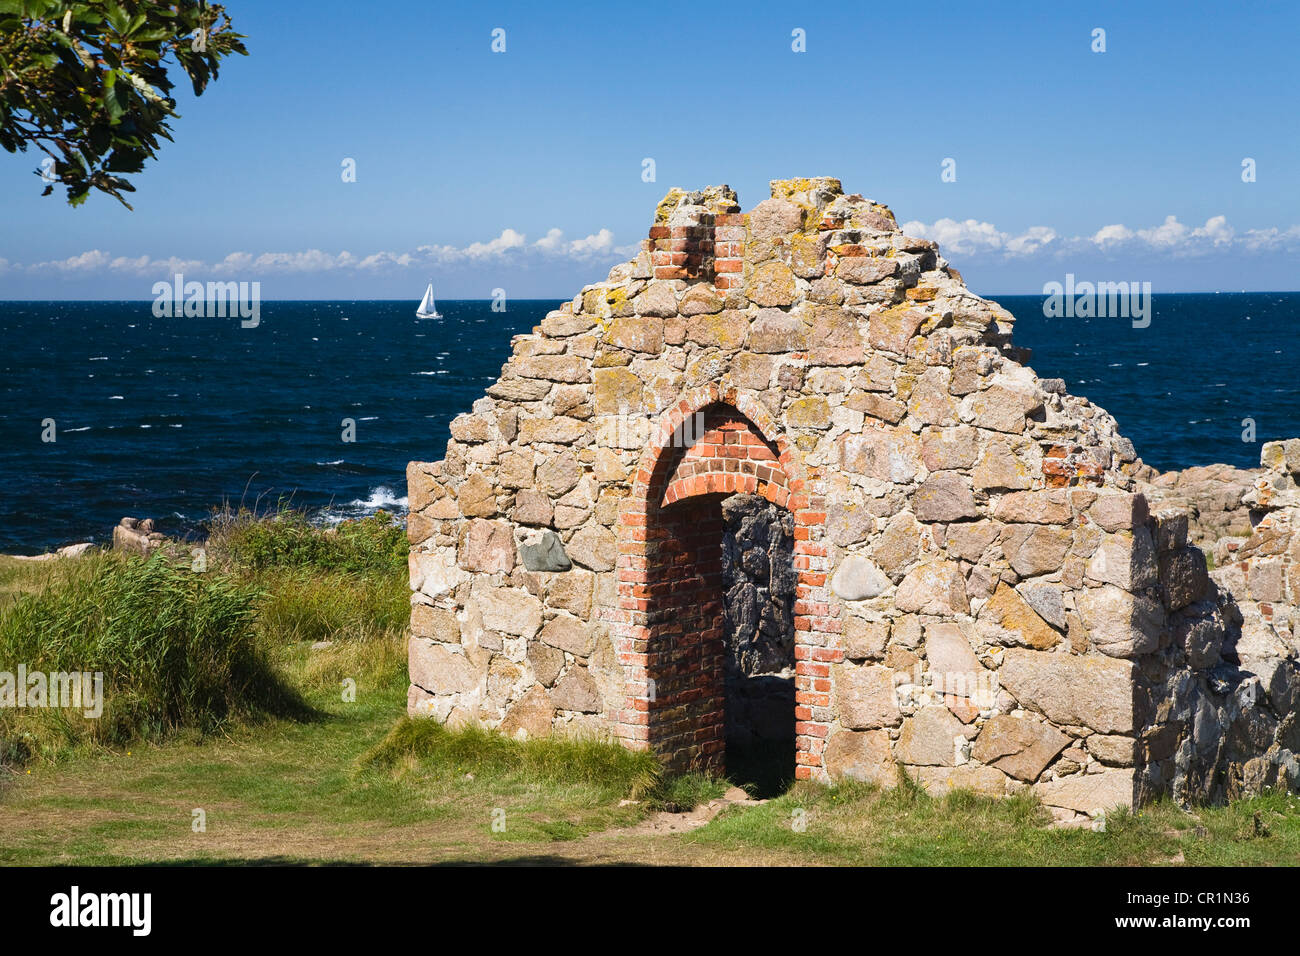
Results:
x,y
168,417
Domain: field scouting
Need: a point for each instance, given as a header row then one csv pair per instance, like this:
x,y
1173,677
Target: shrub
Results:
x,y
287,538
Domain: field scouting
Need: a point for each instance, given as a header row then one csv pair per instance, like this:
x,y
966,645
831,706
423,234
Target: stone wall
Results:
x,y
1212,495
982,594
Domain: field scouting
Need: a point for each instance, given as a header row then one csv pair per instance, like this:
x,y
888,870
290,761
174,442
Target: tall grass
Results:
x,y
336,584
177,649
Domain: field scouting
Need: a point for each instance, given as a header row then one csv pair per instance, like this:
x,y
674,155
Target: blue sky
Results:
x,y
523,170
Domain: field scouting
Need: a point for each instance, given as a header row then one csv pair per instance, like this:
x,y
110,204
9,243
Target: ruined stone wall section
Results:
x,y
982,596
1232,697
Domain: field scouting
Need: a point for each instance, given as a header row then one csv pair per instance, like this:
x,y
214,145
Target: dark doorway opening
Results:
x,y
759,584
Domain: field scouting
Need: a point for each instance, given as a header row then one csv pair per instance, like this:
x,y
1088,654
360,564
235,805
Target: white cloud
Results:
x,y
510,241
961,238
972,236
97,261
553,241
1171,236
1031,240
1256,239
1109,235
597,244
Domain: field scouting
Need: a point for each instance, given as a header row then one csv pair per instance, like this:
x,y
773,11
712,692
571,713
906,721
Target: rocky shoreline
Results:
x,y
131,535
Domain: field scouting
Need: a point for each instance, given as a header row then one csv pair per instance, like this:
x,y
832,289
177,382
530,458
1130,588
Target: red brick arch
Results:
x,y
668,622
726,456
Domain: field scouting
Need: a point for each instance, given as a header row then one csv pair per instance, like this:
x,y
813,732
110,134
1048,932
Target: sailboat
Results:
x,y
427,309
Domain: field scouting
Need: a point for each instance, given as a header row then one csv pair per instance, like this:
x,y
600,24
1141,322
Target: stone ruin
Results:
x,y
783,478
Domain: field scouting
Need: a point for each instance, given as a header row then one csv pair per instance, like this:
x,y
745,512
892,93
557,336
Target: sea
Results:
x,y
108,411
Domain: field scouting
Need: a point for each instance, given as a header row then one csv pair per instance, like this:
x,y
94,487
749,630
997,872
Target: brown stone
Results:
x,y
811,412
477,498
944,496
1022,747
1035,549
970,539
930,402
439,670
865,639
560,429
775,217
700,299
577,691
865,269
776,331
1013,614
533,508
636,334
898,545
892,329
656,300
1072,690
935,587
954,668
1089,792
435,623
508,610
558,474
1034,507
865,757
1121,624
617,391
892,454
1000,467
515,470
1001,409
943,449
570,634
929,738
571,591
529,717
553,368
877,406
547,662
487,546
866,697
937,781
771,284
752,371
1118,511
593,547
724,330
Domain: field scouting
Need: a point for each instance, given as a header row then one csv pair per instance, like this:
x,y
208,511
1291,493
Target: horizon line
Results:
x,y
990,295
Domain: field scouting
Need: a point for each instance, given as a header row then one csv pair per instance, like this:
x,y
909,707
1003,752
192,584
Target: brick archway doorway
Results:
x,y
678,638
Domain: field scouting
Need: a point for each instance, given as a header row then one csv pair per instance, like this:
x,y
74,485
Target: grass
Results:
x,y
286,537
853,824
176,650
345,778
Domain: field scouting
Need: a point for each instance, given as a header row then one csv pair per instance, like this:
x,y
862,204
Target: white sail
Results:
x,y
427,308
